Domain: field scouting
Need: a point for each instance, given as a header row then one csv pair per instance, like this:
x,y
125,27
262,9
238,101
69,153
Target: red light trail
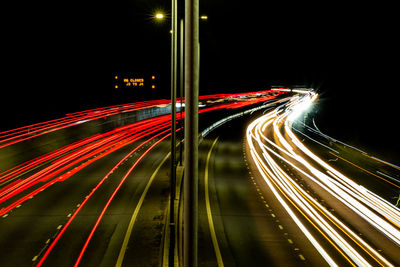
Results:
x,y
26,180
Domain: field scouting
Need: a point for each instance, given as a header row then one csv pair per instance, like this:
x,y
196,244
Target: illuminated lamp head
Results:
x,y
159,16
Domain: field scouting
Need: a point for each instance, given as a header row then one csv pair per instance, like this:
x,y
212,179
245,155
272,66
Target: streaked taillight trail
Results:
x,y
23,181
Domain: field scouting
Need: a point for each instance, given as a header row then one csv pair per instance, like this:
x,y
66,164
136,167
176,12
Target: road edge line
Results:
x,y
128,233
208,209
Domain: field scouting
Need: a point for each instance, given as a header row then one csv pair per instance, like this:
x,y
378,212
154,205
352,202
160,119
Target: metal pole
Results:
x,y
191,133
173,129
181,88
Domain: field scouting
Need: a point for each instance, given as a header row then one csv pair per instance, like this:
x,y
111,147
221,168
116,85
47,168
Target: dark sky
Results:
x,y
62,56
243,44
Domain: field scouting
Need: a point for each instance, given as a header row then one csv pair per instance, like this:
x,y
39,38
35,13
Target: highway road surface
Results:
x,y
277,192
92,188
344,218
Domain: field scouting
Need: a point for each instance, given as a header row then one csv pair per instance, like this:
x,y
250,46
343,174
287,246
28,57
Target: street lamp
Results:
x,y
191,66
159,16
191,179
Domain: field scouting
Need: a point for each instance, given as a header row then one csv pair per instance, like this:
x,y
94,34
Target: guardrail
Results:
x,y
231,117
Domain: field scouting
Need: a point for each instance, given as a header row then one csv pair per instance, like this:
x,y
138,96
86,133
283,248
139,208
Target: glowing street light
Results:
x,y
159,16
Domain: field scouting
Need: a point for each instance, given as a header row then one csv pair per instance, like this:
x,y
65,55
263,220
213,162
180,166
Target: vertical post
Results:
x,y
181,79
191,132
173,129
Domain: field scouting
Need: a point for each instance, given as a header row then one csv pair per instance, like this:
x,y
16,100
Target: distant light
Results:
x,y
300,107
204,17
159,16
153,87
178,105
153,77
116,77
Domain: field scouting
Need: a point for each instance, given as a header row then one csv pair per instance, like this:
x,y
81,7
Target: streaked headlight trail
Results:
x,y
271,140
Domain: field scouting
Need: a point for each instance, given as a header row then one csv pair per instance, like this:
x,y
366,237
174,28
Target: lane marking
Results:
x,y
208,209
136,212
57,237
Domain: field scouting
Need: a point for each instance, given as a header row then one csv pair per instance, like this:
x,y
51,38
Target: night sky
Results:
x,y
62,56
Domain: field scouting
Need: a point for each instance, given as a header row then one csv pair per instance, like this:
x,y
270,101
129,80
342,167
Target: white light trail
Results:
x,y
285,145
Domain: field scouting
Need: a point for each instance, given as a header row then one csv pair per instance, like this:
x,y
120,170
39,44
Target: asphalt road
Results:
x,y
79,191
377,176
253,228
104,214
31,227
345,219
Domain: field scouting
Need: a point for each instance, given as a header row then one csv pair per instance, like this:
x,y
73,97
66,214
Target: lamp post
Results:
x,y
174,27
190,204
181,87
160,16
191,89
